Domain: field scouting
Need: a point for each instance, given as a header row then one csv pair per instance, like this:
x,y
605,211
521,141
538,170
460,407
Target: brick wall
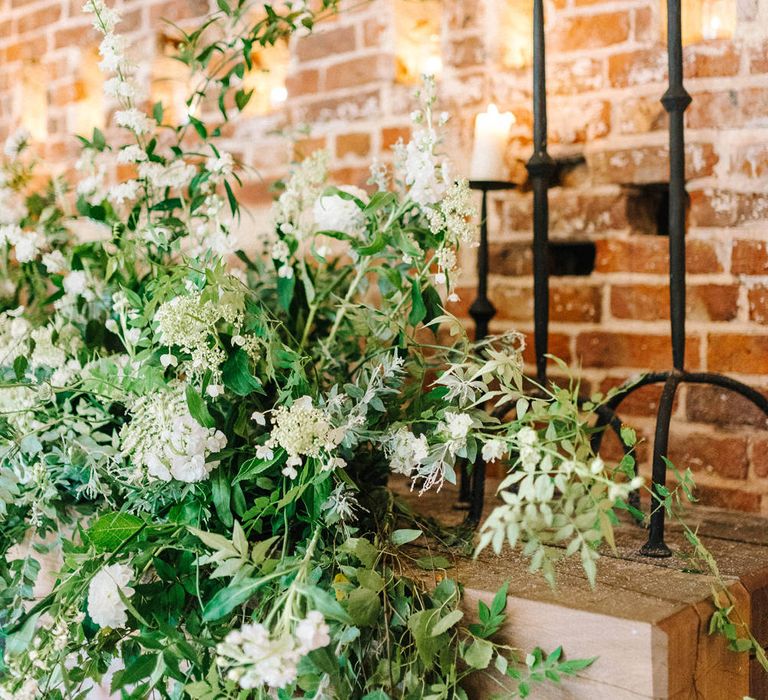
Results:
x,y
607,69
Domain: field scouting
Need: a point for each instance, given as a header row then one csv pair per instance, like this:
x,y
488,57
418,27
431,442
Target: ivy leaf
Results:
x,y
242,97
112,529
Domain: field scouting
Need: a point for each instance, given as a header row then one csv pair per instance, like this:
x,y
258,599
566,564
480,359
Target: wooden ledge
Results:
x,y
646,620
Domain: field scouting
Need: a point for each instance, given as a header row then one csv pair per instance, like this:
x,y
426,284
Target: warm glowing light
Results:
x,y
418,47
278,95
32,100
704,20
433,65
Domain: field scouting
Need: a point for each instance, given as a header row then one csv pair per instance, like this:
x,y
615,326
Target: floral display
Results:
x,y
201,436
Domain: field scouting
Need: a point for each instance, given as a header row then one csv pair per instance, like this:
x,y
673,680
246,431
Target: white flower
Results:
x,y
264,452
16,143
168,360
128,190
55,262
122,89
458,424
10,233
335,213
176,175
280,251
285,271
493,450
221,165
214,390
75,283
259,418
405,451
28,246
312,632
131,154
136,121
164,439
105,606
133,335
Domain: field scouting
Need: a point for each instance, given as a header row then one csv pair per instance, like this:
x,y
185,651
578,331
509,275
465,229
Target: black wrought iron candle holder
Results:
x,y
541,168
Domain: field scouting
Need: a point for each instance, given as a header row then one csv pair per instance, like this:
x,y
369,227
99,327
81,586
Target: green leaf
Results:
x,y
237,376
255,466
157,112
445,623
110,531
242,97
420,626
220,490
418,308
628,435
479,654
371,579
325,603
198,408
139,668
364,607
20,365
572,667
285,287
431,563
401,537
227,599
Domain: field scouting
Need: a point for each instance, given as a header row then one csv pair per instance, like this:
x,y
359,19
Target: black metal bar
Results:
x,y
482,311
540,167
676,100
655,546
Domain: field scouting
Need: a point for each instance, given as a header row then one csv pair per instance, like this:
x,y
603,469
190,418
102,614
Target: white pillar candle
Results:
x,y
491,137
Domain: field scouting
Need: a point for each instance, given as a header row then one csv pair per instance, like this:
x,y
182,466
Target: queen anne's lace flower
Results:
x,y
105,606
303,430
190,324
166,442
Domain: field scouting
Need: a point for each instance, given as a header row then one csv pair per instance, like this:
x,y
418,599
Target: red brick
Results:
x,y
575,76
303,82
79,35
713,59
751,160
732,107
305,147
727,208
359,71
728,498
636,350
649,164
749,257
42,17
513,259
646,29
639,115
641,402
326,43
391,135
650,254
466,51
363,103
758,304
173,11
737,352
637,67
760,457
255,193
358,144
31,49
512,303
578,303
725,456
645,302
375,32
759,59
589,31
580,123
559,346
711,404
351,176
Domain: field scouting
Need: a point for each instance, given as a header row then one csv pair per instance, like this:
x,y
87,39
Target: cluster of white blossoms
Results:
x,y
14,336
293,212
303,430
27,244
12,205
105,606
189,323
405,451
253,659
335,213
92,167
163,441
